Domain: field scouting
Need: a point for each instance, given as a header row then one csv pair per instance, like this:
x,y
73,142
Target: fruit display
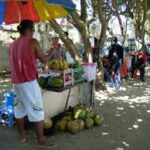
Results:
x,y
79,118
56,79
57,74
58,65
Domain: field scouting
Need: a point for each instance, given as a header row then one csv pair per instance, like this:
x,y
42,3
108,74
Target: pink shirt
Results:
x,y
22,61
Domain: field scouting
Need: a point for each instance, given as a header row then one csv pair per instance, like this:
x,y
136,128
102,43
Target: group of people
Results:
x,y
23,53
115,59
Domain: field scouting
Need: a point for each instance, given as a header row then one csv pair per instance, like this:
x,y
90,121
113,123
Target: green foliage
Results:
x,y
148,4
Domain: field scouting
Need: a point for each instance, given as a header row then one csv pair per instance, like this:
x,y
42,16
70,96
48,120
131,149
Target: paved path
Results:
x,y
126,122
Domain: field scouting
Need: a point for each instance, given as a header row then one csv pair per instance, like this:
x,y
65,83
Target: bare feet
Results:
x,y
24,137
46,145
24,140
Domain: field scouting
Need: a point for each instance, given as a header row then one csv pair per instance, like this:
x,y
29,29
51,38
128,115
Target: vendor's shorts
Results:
x,y
30,101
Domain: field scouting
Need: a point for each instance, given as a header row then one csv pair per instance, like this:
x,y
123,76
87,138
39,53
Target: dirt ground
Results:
x,y
126,122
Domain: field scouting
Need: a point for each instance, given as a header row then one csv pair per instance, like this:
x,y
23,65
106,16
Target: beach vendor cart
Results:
x,y
64,88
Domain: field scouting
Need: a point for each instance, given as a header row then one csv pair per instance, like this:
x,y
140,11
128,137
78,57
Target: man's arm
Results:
x,y
39,53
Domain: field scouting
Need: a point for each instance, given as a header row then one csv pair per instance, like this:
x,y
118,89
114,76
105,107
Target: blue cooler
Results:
x,y
7,111
2,105
9,98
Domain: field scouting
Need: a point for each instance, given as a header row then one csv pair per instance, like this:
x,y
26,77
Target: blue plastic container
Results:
x,y
7,116
9,98
2,104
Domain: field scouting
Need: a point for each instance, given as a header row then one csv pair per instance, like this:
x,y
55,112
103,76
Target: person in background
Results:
x,y
56,50
106,66
95,50
23,53
139,64
115,57
67,54
148,52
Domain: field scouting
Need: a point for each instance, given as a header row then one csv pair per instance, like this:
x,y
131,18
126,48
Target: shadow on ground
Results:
x,y
126,122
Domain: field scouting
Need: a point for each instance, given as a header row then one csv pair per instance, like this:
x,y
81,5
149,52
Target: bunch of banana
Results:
x,y
53,65
58,65
64,64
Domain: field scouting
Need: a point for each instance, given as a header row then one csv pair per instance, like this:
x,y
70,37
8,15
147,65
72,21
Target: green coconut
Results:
x,y
89,114
97,119
89,123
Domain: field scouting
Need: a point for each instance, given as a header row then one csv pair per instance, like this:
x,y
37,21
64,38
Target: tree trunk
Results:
x,y
99,8
68,42
84,32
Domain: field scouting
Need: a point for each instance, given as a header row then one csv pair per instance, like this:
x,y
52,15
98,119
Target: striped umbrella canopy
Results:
x,y
13,11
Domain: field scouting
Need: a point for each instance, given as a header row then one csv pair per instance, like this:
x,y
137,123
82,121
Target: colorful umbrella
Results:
x,y
13,11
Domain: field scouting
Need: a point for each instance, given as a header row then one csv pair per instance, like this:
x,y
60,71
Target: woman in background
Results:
x,y
56,51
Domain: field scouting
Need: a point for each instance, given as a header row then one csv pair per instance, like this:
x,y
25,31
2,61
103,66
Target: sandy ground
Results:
x,y
126,122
